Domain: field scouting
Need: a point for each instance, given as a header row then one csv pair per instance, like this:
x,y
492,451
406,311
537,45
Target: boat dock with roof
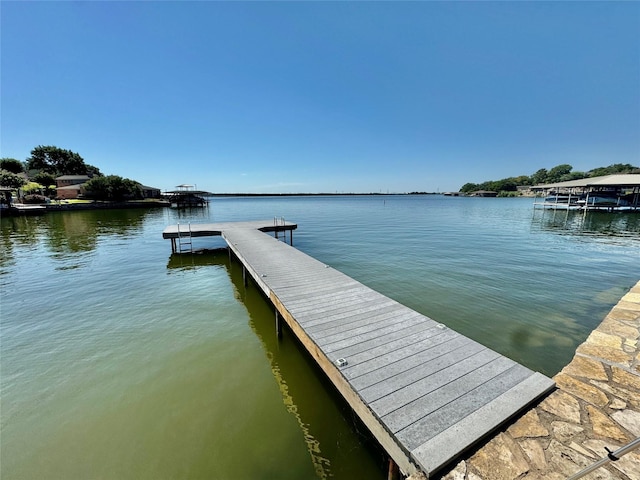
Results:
x,y
607,193
425,392
186,196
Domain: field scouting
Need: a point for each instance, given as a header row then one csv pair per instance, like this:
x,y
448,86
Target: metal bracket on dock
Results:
x,y
342,362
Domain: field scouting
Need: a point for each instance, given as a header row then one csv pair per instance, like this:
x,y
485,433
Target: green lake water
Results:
x,y
122,361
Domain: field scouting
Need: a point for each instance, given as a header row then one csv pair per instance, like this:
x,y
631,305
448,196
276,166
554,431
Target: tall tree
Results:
x,y
11,165
57,161
11,180
557,172
540,177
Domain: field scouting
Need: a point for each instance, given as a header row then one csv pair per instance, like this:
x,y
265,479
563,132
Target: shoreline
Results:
x,y
20,210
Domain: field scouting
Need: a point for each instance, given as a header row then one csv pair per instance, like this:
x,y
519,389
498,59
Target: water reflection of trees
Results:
x,y
602,224
67,232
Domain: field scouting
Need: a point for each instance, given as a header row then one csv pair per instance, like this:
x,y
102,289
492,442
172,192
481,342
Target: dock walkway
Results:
x,y
425,392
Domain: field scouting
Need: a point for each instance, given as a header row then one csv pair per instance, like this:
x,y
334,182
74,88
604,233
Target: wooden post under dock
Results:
x,y
425,392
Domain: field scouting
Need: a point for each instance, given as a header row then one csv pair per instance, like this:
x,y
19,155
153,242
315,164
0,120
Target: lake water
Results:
x,y
122,361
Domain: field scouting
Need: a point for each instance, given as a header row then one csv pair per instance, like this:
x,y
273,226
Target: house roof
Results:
x,y
73,177
77,186
619,180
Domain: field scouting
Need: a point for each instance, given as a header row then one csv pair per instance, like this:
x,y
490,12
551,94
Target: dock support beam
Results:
x,y
394,471
278,325
244,275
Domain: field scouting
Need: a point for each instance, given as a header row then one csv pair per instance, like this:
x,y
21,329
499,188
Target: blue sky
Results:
x,y
323,96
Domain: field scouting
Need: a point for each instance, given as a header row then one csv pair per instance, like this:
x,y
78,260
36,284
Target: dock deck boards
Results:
x,y
426,392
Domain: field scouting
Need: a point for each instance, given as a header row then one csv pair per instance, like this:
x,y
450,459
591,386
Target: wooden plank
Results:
x,y
386,352
339,306
403,382
337,299
300,296
439,420
399,334
401,367
344,322
460,435
414,407
408,320
377,328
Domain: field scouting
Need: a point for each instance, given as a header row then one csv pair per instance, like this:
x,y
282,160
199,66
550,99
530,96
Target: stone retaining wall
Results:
x,y
596,405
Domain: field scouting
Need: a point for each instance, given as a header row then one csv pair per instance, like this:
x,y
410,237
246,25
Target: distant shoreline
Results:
x,y
314,194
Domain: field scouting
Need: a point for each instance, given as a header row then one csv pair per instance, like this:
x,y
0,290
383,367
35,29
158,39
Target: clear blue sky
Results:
x,y
323,97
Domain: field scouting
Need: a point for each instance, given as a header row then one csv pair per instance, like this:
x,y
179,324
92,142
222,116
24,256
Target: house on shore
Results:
x,y
70,186
151,192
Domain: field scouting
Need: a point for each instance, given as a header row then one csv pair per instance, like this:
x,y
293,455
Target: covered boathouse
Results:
x,y
608,193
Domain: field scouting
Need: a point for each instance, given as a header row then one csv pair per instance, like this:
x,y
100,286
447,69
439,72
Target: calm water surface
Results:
x,y
119,360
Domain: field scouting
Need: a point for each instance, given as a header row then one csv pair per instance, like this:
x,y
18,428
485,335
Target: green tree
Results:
x,y
523,180
556,173
112,187
11,165
572,176
45,179
540,177
57,161
469,187
613,169
93,171
504,185
11,180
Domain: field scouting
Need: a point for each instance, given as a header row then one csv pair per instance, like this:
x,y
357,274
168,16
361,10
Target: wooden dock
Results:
x,y
182,235
425,392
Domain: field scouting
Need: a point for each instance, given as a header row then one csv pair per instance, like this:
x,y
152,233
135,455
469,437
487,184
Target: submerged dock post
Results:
x,y
394,471
278,325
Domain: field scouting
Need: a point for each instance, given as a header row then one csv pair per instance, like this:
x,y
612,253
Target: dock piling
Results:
x,y
278,325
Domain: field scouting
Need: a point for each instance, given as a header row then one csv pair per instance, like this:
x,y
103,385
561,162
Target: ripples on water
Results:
x,y
120,360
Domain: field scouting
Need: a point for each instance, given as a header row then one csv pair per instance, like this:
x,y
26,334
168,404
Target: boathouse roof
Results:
x,y
619,180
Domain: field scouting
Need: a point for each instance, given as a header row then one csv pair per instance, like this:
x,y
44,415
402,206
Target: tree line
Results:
x,y
559,173
38,172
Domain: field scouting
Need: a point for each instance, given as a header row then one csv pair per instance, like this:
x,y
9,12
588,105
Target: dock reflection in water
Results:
x,y
338,444
594,224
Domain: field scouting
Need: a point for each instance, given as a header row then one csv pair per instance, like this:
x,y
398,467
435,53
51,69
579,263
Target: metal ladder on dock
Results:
x,y
185,245
277,222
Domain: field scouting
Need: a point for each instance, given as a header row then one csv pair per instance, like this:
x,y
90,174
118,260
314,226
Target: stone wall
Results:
x,y
596,405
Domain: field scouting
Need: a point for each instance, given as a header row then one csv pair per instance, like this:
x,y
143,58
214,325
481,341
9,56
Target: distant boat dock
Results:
x,y
425,392
609,193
